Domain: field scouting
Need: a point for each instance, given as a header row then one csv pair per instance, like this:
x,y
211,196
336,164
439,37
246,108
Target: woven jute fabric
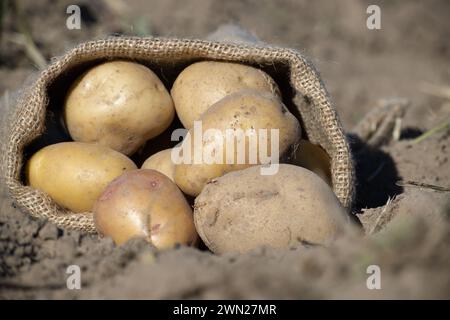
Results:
x,y
316,110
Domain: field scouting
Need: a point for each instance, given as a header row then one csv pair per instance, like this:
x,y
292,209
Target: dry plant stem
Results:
x,y
31,49
383,123
376,172
422,185
377,222
440,127
435,90
3,8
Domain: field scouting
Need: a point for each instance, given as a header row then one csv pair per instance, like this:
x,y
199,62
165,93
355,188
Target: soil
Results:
x,y
406,228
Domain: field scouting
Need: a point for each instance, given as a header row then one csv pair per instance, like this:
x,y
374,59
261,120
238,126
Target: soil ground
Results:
x,y
407,229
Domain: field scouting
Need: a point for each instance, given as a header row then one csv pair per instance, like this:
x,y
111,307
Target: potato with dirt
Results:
x,y
119,104
204,83
256,115
74,174
244,209
161,162
145,203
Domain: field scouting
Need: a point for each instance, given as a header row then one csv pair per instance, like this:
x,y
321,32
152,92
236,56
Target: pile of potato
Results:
x,y
115,108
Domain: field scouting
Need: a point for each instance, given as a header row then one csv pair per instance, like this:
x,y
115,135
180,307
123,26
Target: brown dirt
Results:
x,y
408,237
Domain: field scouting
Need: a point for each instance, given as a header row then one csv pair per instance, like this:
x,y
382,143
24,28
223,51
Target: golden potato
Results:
x,y
314,158
161,162
145,203
74,174
119,104
244,209
204,83
239,112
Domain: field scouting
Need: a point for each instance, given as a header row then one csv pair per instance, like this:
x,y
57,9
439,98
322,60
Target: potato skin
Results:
x,y
119,104
243,210
313,158
74,174
145,203
204,83
249,109
161,162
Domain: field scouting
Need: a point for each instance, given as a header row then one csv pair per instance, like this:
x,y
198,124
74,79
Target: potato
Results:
x,y
244,209
314,158
244,110
145,203
118,104
161,162
74,174
204,83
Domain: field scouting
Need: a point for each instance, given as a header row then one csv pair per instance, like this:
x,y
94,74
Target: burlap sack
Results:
x,y
302,87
